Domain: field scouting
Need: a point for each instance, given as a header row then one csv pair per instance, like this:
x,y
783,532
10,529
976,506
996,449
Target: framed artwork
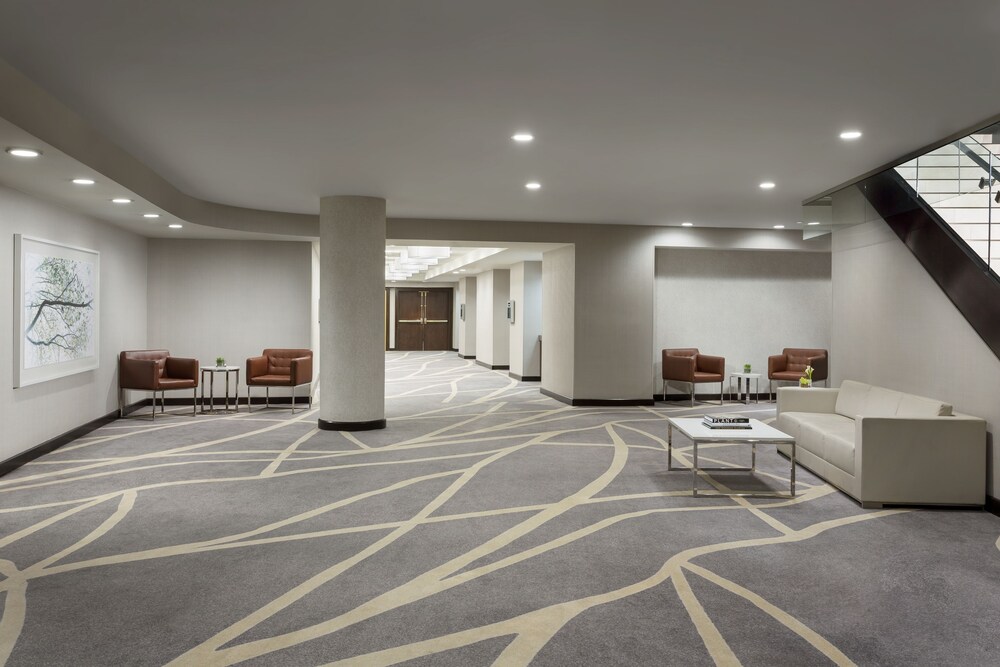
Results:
x,y
56,310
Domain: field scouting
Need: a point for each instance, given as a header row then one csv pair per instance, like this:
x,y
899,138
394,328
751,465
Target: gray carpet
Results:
x,y
486,525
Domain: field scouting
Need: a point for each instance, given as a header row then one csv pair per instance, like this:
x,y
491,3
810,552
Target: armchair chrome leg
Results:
x,y
194,402
770,391
293,399
121,403
154,406
721,400
267,397
692,394
163,401
249,402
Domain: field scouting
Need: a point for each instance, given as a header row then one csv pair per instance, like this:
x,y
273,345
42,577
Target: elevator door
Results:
x,y
423,319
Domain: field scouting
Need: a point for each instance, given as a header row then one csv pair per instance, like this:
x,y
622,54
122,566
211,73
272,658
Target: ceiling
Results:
x,y
644,112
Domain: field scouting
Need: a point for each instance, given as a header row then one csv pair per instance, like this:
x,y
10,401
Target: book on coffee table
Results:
x,y
712,421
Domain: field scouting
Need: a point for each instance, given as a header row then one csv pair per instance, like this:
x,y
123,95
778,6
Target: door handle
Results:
x,y
437,321
409,321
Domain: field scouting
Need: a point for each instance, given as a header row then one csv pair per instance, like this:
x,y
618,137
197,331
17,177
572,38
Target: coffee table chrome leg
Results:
x,y
753,455
670,446
694,471
791,475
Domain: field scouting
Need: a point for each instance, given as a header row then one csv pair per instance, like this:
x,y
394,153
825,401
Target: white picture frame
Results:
x,y
57,312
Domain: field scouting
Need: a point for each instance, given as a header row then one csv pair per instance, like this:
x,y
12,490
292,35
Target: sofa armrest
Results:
x,y
180,368
711,364
137,374
775,364
921,459
678,368
813,399
256,366
301,370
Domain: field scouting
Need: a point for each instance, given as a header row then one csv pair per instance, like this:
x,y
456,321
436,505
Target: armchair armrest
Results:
x,y
301,370
137,374
814,399
180,368
820,365
776,363
678,368
710,364
921,459
256,366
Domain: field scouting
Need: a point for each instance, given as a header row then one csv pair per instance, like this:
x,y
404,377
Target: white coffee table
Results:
x,y
759,433
740,377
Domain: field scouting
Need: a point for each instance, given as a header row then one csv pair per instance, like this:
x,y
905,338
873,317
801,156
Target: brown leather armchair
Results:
x,y
279,368
791,364
155,371
687,365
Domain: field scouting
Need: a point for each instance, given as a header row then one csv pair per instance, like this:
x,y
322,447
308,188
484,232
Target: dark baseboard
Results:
x,y
762,397
526,378
598,402
221,400
493,367
466,356
15,462
372,425
993,505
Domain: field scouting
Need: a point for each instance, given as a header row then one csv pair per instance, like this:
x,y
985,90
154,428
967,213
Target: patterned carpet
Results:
x,y
486,525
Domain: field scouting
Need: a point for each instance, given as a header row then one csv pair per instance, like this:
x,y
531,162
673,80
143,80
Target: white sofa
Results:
x,y
886,447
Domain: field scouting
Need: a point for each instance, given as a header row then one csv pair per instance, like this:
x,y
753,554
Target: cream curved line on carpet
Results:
x,y
461,444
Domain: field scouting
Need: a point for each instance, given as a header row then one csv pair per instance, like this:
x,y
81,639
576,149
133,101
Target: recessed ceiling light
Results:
x,y
779,226
687,224
83,181
767,185
533,185
850,134
812,223
121,200
151,215
523,137
23,152
175,226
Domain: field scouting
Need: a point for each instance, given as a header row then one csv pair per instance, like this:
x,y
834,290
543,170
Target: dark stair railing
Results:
x,y
962,274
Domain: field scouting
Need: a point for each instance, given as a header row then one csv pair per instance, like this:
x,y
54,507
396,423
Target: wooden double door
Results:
x,y
423,319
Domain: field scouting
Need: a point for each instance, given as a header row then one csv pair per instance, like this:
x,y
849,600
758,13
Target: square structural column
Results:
x,y
351,316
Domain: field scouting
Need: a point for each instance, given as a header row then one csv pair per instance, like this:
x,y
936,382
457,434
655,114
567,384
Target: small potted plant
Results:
x,y
746,368
807,379
220,361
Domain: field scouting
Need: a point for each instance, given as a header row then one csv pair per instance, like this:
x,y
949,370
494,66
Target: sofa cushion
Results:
x,y
851,398
881,402
918,406
838,448
808,428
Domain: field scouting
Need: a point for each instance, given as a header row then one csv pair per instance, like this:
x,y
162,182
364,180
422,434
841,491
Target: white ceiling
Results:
x,y
645,111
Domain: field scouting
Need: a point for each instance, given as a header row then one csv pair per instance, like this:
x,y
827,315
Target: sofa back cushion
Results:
x,y
918,406
851,398
881,402
279,361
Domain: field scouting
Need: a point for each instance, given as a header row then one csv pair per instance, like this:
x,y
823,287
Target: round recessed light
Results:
x,y
767,185
175,226
523,137
779,226
811,224
687,224
83,181
533,185
121,200
850,134
23,152
151,215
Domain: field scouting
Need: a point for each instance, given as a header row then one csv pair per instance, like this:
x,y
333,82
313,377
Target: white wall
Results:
x,y
743,305
558,322
229,298
526,293
33,414
467,327
894,327
492,328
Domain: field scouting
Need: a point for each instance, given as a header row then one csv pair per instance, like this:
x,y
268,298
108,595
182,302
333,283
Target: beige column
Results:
x,y
352,286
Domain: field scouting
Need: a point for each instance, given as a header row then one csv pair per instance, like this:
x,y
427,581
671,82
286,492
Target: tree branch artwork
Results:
x,y
59,310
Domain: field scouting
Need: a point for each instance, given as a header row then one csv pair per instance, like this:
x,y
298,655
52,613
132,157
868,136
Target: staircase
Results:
x,y
945,207
961,182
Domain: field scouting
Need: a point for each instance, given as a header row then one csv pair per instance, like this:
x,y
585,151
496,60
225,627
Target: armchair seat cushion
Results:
x,y
177,383
790,376
707,377
273,380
